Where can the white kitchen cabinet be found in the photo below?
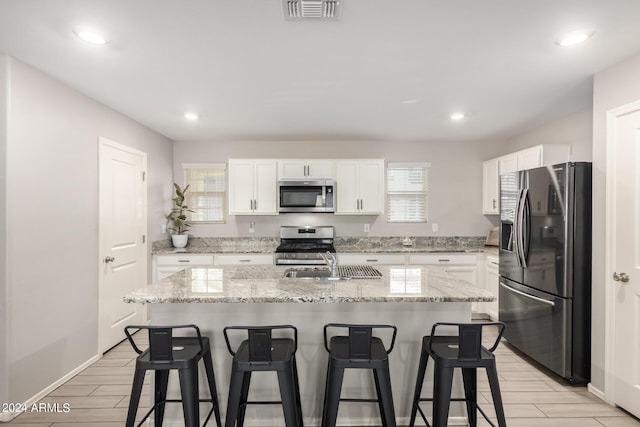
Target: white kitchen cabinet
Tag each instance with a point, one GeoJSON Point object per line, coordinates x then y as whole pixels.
{"type": "Point", "coordinates": [492, 284]}
{"type": "Point", "coordinates": [490, 187]}
{"type": "Point", "coordinates": [461, 265]}
{"type": "Point", "coordinates": [243, 259]}
{"type": "Point", "coordinates": [360, 187]}
{"type": "Point", "coordinates": [166, 265]}
{"type": "Point", "coordinates": [507, 164]}
{"type": "Point", "coordinates": [252, 187]}
{"type": "Point", "coordinates": [305, 169]}
{"type": "Point", "coordinates": [377, 258]}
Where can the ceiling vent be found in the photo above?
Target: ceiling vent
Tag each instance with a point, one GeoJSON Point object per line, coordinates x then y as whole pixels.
{"type": "Point", "coordinates": [310, 10]}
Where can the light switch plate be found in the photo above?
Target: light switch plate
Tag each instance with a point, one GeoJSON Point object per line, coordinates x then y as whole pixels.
{"type": "Point", "coordinates": [366, 228]}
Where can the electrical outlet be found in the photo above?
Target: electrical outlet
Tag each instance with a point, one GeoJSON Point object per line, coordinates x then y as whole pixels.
{"type": "Point", "coordinates": [434, 227]}
{"type": "Point", "coordinates": [366, 228]}
{"type": "Point", "coordinates": [252, 227]}
{"type": "Point", "coordinates": [164, 228]}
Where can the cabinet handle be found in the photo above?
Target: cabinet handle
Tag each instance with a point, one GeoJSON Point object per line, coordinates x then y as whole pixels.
{"type": "Point", "coordinates": [494, 203]}
{"type": "Point", "coordinates": [184, 260]}
{"type": "Point", "coordinates": [244, 260]}
{"type": "Point", "coordinates": [372, 260]}
{"type": "Point", "coordinates": [444, 260]}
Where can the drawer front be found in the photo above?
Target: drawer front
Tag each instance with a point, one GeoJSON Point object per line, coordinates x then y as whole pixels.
{"type": "Point", "coordinates": [443, 259]}
{"type": "Point", "coordinates": [240, 259]}
{"type": "Point", "coordinates": [355, 259]}
{"type": "Point", "coordinates": [184, 260]}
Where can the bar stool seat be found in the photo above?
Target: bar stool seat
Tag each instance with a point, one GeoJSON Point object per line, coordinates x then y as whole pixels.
{"type": "Point", "coordinates": [359, 350]}
{"type": "Point", "coordinates": [465, 351]}
{"type": "Point", "coordinates": [262, 352]}
{"type": "Point", "coordinates": [165, 353]}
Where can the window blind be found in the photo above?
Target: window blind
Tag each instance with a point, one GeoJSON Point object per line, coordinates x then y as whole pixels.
{"type": "Point", "coordinates": [206, 195]}
{"type": "Point", "coordinates": [407, 192]}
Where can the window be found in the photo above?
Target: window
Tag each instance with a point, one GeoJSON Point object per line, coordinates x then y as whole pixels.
{"type": "Point", "coordinates": [407, 192]}
{"type": "Point", "coordinates": [206, 195]}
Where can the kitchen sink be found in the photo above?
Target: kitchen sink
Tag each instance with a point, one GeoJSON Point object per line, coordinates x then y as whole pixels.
{"type": "Point", "coordinates": [311, 273]}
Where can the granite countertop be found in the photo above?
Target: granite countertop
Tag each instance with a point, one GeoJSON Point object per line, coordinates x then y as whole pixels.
{"type": "Point", "coordinates": [268, 245]}
{"type": "Point", "coordinates": [266, 284]}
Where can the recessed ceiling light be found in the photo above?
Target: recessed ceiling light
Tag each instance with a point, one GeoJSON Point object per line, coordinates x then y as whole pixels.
{"type": "Point", "coordinates": [90, 37]}
{"type": "Point", "coordinates": [574, 38]}
{"type": "Point", "coordinates": [191, 116]}
{"type": "Point", "coordinates": [457, 116]}
{"type": "Point", "coordinates": [409, 101]}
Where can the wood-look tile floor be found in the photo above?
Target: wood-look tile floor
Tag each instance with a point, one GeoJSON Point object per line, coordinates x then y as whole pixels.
{"type": "Point", "coordinates": [532, 397]}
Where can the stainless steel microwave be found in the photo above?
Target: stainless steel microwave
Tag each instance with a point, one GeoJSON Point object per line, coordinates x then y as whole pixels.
{"type": "Point", "coordinates": [306, 196]}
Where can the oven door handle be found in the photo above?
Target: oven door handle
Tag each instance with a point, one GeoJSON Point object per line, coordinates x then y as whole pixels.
{"type": "Point", "coordinates": [542, 300]}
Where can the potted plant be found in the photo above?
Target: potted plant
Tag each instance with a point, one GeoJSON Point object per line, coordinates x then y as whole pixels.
{"type": "Point", "coordinates": [177, 218]}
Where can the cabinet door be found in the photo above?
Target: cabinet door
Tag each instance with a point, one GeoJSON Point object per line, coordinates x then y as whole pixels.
{"type": "Point", "coordinates": [265, 187]}
{"type": "Point", "coordinates": [243, 259]}
{"type": "Point", "coordinates": [490, 187]}
{"type": "Point", "coordinates": [241, 179]}
{"type": "Point", "coordinates": [507, 164]}
{"type": "Point", "coordinates": [371, 185]}
{"type": "Point", "coordinates": [492, 284]}
{"type": "Point", "coordinates": [320, 169]}
{"type": "Point", "coordinates": [530, 158]}
{"type": "Point", "coordinates": [292, 169]}
{"type": "Point", "coordinates": [347, 187]}
{"type": "Point", "coordinates": [355, 259]}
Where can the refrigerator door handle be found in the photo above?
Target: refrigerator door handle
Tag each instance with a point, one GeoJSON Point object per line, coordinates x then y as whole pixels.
{"type": "Point", "coordinates": [544, 301]}
{"type": "Point", "coordinates": [519, 227]}
{"type": "Point", "coordinates": [526, 227]}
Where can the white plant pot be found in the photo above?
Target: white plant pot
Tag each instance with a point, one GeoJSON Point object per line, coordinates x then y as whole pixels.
{"type": "Point", "coordinates": [179, 240]}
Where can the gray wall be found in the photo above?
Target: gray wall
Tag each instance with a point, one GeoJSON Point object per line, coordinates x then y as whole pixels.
{"type": "Point", "coordinates": [617, 86]}
{"type": "Point", "coordinates": [575, 130]}
{"type": "Point", "coordinates": [455, 184]}
{"type": "Point", "coordinates": [4, 312]}
{"type": "Point", "coordinates": [52, 223]}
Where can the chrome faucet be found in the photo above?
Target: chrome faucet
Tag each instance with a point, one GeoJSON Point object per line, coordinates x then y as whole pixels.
{"type": "Point", "coordinates": [331, 261]}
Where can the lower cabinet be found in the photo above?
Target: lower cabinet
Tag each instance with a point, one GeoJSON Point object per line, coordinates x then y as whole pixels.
{"type": "Point", "coordinates": [166, 265]}
{"type": "Point", "coordinates": [463, 266]}
{"type": "Point", "coordinates": [243, 259]}
{"type": "Point", "coordinates": [372, 258]}
{"type": "Point", "coordinates": [492, 284]}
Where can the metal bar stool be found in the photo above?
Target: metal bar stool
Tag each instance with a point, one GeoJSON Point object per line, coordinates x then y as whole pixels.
{"type": "Point", "coordinates": [464, 351]}
{"type": "Point", "coordinates": [167, 352]}
{"type": "Point", "coordinates": [261, 352]}
{"type": "Point", "coordinates": [359, 350]}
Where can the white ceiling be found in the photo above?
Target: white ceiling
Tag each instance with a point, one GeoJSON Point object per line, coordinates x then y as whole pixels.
{"type": "Point", "coordinates": [251, 74]}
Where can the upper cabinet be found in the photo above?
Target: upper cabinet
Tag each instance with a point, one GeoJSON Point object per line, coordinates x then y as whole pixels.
{"type": "Point", "coordinates": [252, 187]}
{"type": "Point", "coordinates": [305, 169]}
{"type": "Point", "coordinates": [360, 187]}
{"type": "Point", "coordinates": [529, 158]}
{"type": "Point", "coordinates": [490, 188]}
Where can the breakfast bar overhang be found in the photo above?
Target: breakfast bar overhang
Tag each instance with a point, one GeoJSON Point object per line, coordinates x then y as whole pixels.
{"type": "Point", "coordinates": [410, 297]}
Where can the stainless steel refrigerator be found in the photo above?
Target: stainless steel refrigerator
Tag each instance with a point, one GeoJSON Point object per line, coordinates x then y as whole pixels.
{"type": "Point", "coordinates": [545, 266]}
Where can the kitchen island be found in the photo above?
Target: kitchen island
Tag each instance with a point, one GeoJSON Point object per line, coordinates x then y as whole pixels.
{"type": "Point", "coordinates": [410, 297]}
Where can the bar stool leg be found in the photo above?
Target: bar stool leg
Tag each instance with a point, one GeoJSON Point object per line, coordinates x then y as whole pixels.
{"type": "Point", "coordinates": [211, 379]}
{"type": "Point", "coordinates": [469, 378]}
{"type": "Point", "coordinates": [134, 400]}
{"type": "Point", "coordinates": [378, 395]}
{"type": "Point", "coordinates": [332, 396]}
{"type": "Point", "coordinates": [160, 395]}
{"type": "Point", "coordinates": [386, 397]}
{"type": "Point", "coordinates": [297, 391]}
{"type": "Point", "coordinates": [422, 368]}
{"type": "Point", "coordinates": [235, 393]}
{"type": "Point", "coordinates": [190, 402]}
{"type": "Point", "coordinates": [443, 379]}
{"type": "Point", "coordinates": [244, 395]}
{"type": "Point", "coordinates": [492, 375]}
{"type": "Point", "coordinates": [287, 394]}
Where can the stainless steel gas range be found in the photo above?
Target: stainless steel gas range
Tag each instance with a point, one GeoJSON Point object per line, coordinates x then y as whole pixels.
{"type": "Point", "coordinates": [301, 245]}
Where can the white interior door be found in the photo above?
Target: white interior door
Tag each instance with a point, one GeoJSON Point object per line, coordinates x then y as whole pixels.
{"type": "Point", "coordinates": [623, 266]}
{"type": "Point", "coordinates": [123, 253]}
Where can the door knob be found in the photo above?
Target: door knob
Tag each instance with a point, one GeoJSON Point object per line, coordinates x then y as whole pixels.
{"type": "Point", "coordinates": [622, 277]}
{"type": "Point", "coordinates": [109, 259]}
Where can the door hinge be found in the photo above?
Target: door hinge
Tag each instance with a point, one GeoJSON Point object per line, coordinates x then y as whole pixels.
{"type": "Point", "coordinates": [144, 238]}
{"type": "Point", "coordinates": [144, 175]}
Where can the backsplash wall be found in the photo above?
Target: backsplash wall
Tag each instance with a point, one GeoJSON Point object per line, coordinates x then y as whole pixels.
{"type": "Point", "coordinates": [454, 182]}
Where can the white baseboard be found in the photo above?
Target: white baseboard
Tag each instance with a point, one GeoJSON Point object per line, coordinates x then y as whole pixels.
{"type": "Point", "coordinates": [8, 416]}
{"type": "Point", "coordinates": [596, 392]}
